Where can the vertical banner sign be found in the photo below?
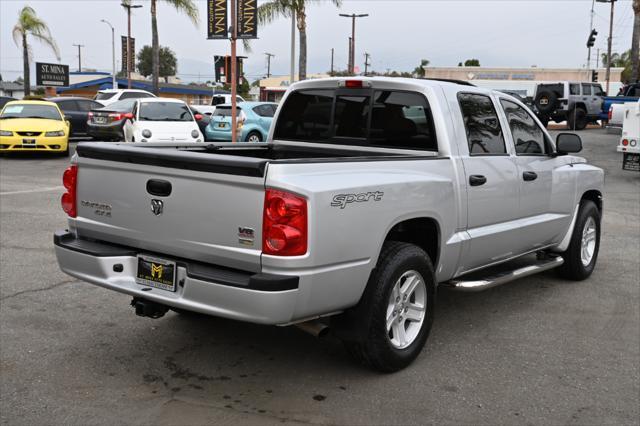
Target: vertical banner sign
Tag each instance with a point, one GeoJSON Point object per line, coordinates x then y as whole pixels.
{"type": "Point", "coordinates": [132, 49]}
{"type": "Point", "coordinates": [124, 53]}
{"type": "Point", "coordinates": [247, 19]}
{"type": "Point", "coordinates": [217, 19]}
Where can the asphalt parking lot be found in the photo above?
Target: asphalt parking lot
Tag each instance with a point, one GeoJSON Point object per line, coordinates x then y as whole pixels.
{"type": "Point", "coordinates": [537, 351]}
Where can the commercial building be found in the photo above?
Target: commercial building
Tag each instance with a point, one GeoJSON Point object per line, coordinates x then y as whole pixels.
{"type": "Point", "coordinates": [87, 84]}
{"type": "Point", "coordinates": [11, 89]}
{"type": "Point", "coordinates": [523, 80]}
{"type": "Point", "coordinates": [272, 89]}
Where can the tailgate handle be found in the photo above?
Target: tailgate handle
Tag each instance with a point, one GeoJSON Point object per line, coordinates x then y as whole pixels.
{"type": "Point", "coordinates": [159, 188]}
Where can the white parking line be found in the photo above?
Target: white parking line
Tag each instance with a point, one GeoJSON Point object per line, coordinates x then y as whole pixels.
{"type": "Point", "coordinates": [29, 191]}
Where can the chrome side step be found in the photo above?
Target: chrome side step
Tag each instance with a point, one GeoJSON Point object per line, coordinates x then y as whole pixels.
{"type": "Point", "coordinates": [472, 283]}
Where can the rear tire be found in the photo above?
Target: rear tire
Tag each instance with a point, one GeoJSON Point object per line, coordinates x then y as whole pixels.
{"type": "Point", "coordinates": [254, 137]}
{"type": "Point", "coordinates": [582, 254]}
{"type": "Point", "coordinates": [577, 119]}
{"type": "Point", "coordinates": [396, 312]}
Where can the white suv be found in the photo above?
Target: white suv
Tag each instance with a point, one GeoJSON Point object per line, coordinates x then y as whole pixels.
{"type": "Point", "coordinates": [109, 96]}
{"type": "Point", "coordinates": [578, 103]}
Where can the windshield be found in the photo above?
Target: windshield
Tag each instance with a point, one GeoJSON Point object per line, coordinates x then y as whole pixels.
{"type": "Point", "coordinates": [102, 96]}
{"type": "Point", "coordinates": [225, 111]}
{"type": "Point", "coordinates": [164, 111]}
{"type": "Point", "coordinates": [31, 111]}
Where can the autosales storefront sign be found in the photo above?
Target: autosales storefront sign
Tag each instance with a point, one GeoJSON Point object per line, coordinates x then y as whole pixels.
{"type": "Point", "coordinates": [217, 19]}
{"type": "Point", "coordinates": [53, 75]}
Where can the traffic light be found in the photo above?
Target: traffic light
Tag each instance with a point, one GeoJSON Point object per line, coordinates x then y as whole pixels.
{"type": "Point", "coordinates": [592, 38]}
{"type": "Point", "coordinates": [594, 76]}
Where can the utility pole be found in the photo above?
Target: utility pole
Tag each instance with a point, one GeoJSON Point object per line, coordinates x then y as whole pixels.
{"type": "Point", "coordinates": [366, 63]}
{"type": "Point", "coordinates": [79, 46]}
{"type": "Point", "coordinates": [292, 79]}
{"type": "Point", "coordinates": [349, 63]}
{"type": "Point", "coordinates": [127, 5]}
{"type": "Point", "coordinates": [352, 43]}
{"type": "Point", "coordinates": [593, 12]}
{"type": "Point", "coordinates": [114, 83]}
{"type": "Point", "coordinates": [234, 77]}
{"type": "Point", "coordinates": [598, 59]}
{"type": "Point", "coordinates": [609, 41]}
{"type": "Point", "coordinates": [332, 71]}
{"type": "Point", "coordinates": [269, 56]}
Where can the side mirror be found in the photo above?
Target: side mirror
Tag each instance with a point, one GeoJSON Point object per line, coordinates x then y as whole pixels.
{"type": "Point", "coordinates": [568, 143]}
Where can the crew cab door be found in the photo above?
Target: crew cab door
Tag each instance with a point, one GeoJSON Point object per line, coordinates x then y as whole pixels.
{"type": "Point", "coordinates": [492, 185]}
{"type": "Point", "coordinates": [547, 185]}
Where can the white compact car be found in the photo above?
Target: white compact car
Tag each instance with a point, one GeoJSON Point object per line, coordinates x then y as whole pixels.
{"type": "Point", "coordinates": [109, 96]}
{"type": "Point", "coordinates": [162, 120]}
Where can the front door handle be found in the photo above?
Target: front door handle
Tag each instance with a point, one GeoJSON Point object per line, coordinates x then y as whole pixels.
{"type": "Point", "coordinates": [529, 176]}
{"type": "Point", "coordinates": [477, 180]}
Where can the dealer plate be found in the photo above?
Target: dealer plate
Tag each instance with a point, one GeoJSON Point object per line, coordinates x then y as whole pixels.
{"type": "Point", "coordinates": [28, 142]}
{"type": "Point", "coordinates": [631, 162]}
{"type": "Point", "coordinates": [156, 272]}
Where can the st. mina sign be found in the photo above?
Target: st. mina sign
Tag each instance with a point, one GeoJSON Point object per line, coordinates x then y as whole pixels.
{"type": "Point", "coordinates": [55, 75]}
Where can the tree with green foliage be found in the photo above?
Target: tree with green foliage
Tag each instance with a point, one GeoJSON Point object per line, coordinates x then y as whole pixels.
{"type": "Point", "coordinates": [419, 71]}
{"type": "Point", "coordinates": [271, 10]}
{"type": "Point", "coordinates": [622, 60]}
{"type": "Point", "coordinates": [168, 62]}
{"type": "Point", "coordinates": [29, 24]}
{"type": "Point", "coordinates": [189, 8]}
{"type": "Point", "coordinates": [472, 63]}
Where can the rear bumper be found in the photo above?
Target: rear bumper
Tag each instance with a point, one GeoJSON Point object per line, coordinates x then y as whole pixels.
{"type": "Point", "coordinates": [108, 131]}
{"type": "Point", "coordinates": [245, 296]}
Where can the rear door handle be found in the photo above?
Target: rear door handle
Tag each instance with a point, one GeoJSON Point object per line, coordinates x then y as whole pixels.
{"type": "Point", "coordinates": [528, 176]}
{"type": "Point", "coordinates": [477, 180]}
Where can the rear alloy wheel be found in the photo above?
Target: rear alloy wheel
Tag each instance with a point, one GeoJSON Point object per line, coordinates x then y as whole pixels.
{"type": "Point", "coordinates": [395, 313]}
{"type": "Point", "coordinates": [254, 137]}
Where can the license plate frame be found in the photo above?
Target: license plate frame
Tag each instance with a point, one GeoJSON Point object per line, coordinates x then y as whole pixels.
{"type": "Point", "coordinates": [222, 125]}
{"type": "Point", "coordinates": [100, 120]}
{"type": "Point", "coordinates": [29, 143]}
{"type": "Point", "coordinates": [156, 272]}
{"type": "Point", "coordinates": [631, 162]}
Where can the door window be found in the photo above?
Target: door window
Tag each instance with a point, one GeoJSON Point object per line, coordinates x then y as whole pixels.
{"type": "Point", "coordinates": [574, 89]}
{"type": "Point", "coordinates": [586, 89]}
{"type": "Point", "coordinates": [528, 137]}
{"type": "Point", "coordinates": [597, 90]}
{"type": "Point", "coordinates": [263, 110]}
{"type": "Point", "coordinates": [484, 134]}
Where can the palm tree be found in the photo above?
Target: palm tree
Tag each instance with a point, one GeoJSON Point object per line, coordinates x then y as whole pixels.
{"type": "Point", "coordinates": [271, 10]}
{"type": "Point", "coordinates": [187, 7]}
{"type": "Point", "coordinates": [635, 43]}
{"type": "Point", "coordinates": [30, 24]}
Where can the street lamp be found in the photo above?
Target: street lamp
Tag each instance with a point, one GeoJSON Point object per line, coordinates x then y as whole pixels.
{"type": "Point", "coordinates": [114, 84]}
{"type": "Point", "coordinates": [127, 5]}
{"type": "Point", "coordinates": [609, 41]}
{"type": "Point", "coordinates": [352, 57]}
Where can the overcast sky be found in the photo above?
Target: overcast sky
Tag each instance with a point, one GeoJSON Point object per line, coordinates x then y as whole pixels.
{"type": "Point", "coordinates": [397, 34]}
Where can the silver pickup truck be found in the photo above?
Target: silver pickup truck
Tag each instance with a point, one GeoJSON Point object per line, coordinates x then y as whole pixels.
{"type": "Point", "coordinates": [369, 194]}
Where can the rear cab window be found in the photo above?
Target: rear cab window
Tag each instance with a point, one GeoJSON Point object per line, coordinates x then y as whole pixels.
{"type": "Point", "coordinates": [363, 117]}
{"type": "Point", "coordinates": [484, 133]}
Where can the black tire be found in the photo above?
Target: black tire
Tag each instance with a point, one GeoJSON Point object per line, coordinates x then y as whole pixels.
{"type": "Point", "coordinates": [254, 134]}
{"type": "Point", "coordinates": [546, 101]}
{"type": "Point", "coordinates": [577, 119]}
{"type": "Point", "coordinates": [573, 267]}
{"type": "Point", "coordinates": [373, 346]}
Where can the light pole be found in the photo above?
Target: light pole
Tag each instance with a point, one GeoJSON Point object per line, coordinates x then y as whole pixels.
{"type": "Point", "coordinates": [127, 5]}
{"type": "Point", "coordinates": [79, 46]}
{"type": "Point", "coordinates": [269, 56]}
{"type": "Point", "coordinates": [609, 41]}
{"type": "Point", "coordinates": [352, 58]}
{"type": "Point", "coordinates": [114, 83]}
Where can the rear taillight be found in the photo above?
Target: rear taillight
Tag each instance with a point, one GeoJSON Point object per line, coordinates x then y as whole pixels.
{"type": "Point", "coordinates": [610, 113]}
{"type": "Point", "coordinates": [284, 224]}
{"type": "Point", "coordinates": [117, 116]}
{"type": "Point", "coordinates": [625, 142]}
{"type": "Point", "coordinates": [70, 182]}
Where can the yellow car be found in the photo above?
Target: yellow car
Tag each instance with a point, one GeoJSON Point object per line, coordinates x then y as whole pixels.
{"type": "Point", "coordinates": [33, 126]}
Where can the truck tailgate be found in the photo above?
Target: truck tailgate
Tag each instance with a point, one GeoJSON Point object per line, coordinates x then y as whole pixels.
{"type": "Point", "coordinates": [213, 212]}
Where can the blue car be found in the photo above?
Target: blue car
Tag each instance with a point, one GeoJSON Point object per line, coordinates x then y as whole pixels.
{"type": "Point", "coordinates": [254, 121]}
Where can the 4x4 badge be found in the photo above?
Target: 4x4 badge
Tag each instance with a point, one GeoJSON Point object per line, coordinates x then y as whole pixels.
{"type": "Point", "coordinates": [157, 206]}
